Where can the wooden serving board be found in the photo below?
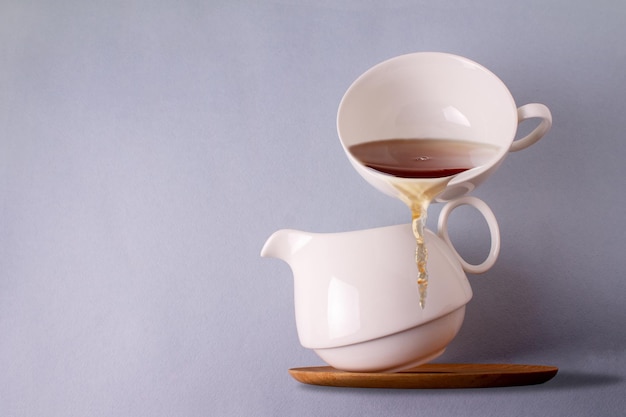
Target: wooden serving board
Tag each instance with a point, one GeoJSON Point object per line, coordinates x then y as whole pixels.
{"type": "Point", "coordinates": [434, 375]}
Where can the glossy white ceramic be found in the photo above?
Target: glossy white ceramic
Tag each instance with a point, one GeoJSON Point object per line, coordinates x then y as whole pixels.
{"type": "Point", "coordinates": [437, 96]}
{"type": "Point", "coordinates": [356, 296]}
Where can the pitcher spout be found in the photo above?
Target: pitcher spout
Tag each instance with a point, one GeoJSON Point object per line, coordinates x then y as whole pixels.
{"type": "Point", "coordinates": [285, 243]}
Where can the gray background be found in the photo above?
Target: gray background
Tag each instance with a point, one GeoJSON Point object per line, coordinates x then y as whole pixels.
{"type": "Point", "coordinates": [148, 149]}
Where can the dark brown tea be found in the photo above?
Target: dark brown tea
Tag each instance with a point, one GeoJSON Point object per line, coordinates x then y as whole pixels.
{"type": "Point", "coordinates": [422, 158]}
{"type": "Point", "coordinates": [420, 169]}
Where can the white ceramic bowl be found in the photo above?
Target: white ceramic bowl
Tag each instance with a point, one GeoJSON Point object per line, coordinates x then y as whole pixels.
{"type": "Point", "coordinates": [397, 351]}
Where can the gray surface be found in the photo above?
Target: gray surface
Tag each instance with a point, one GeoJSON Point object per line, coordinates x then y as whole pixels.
{"type": "Point", "coordinates": [148, 149]}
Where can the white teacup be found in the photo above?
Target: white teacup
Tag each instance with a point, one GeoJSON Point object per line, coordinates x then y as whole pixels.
{"type": "Point", "coordinates": [436, 96]}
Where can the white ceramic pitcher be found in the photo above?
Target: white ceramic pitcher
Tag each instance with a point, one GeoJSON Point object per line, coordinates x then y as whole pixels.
{"type": "Point", "coordinates": [356, 296]}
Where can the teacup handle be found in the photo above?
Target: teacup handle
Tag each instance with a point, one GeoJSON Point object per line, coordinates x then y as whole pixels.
{"type": "Point", "coordinates": [494, 230]}
{"type": "Point", "coordinates": [531, 111]}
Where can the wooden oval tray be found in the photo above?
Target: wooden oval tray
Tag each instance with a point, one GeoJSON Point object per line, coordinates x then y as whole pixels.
{"type": "Point", "coordinates": [434, 375]}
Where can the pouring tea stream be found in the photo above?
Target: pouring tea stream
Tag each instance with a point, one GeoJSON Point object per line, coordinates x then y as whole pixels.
{"type": "Point", "coordinates": [420, 169]}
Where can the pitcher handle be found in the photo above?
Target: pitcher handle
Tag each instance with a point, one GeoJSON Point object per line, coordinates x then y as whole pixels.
{"type": "Point", "coordinates": [494, 230]}
{"type": "Point", "coordinates": [531, 111]}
